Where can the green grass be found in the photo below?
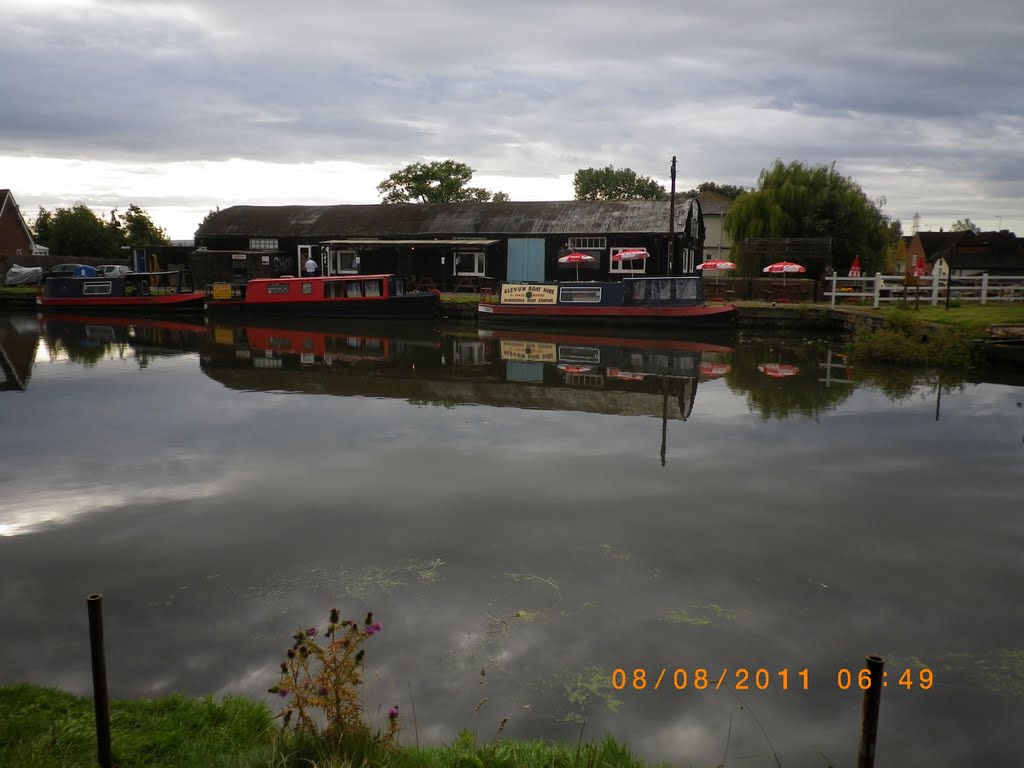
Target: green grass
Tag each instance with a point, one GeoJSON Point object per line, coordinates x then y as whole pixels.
{"type": "Point", "coordinates": [46, 728]}
{"type": "Point", "coordinates": [972, 318]}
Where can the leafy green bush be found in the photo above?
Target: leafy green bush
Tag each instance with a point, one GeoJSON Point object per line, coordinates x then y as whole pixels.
{"type": "Point", "coordinates": [906, 341]}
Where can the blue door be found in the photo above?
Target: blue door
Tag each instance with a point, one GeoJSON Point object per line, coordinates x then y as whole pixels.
{"type": "Point", "coordinates": [526, 260]}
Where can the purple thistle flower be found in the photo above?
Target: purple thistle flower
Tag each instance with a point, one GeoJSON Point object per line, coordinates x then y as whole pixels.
{"type": "Point", "coordinates": [393, 712]}
{"type": "Point", "coordinates": [284, 667]}
{"type": "Point", "coordinates": [283, 692]}
{"type": "Point", "coordinates": [311, 632]}
{"type": "Point", "coordinates": [323, 690]}
{"type": "Point", "coordinates": [374, 628]}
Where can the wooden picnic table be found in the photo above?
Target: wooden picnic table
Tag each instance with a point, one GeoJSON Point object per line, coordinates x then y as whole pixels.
{"type": "Point", "coordinates": [472, 284]}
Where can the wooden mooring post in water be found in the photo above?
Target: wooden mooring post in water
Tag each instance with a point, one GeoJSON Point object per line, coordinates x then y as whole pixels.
{"type": "Point", "coordinates": [99, 680]}
{"type": "Point", "coordinates": [869, 714]}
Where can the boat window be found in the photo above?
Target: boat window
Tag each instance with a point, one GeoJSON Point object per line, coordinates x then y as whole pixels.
{"type": "Point", "coordinates": [371, 287]}
{"type": "Point", "coordinates": [96, 289]}
{"type": "Point", "coordinates": [353, 289]}
{"type": "Point", "coordinates": [334, 289]}
{"type": "Point", "coordinates": [278, 287]}
{"type": "Point", "coordinates": [569, 354]}
{"type": "Point", "coordinates": [307, 288]}
{"type": "Point", "coordinates": [584, 295]}
{"type": "Point", "coordinates": [662, 289]}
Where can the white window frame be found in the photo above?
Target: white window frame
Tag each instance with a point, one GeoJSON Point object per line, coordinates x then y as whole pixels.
{"type": "Point", "coordinates": [587, 243]}
{"type": "Point", "coordinates": [479, 263]}
{"type": "Point", "coordinates": [342, 262]}
{"type": "Point", "coordinates": [632, 267]}
{"type": "Point", "coordinates": [262, 243]}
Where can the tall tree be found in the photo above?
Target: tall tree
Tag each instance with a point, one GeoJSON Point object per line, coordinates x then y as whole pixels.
{"type": "Point", "coordinates": [730, 191]}
{"type": "Point", "coordinates": [442, 181]}
{"type": "Point", "coordinates": [794, 200]}
{"type": "Point", "coordinates": [139, 229]}
{"type": "Point", "coordinates": [78, 233]}
{"type": "Point", "coordinates": [616, 184]}
{"type": "Point", "coordinates": [42, 226]}
{"type": "Point", "coordinates": [964, 225]}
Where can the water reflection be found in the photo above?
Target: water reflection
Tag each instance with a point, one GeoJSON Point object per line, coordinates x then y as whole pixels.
{"type": "Point", "coordinates": [499, 501]}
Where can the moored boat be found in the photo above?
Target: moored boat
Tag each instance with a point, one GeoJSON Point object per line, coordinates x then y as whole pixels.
{"type": "Point", "coordinates": [133, 292]}
{"type": "Point", "coordinates": [332, 296]}
{"type": "Point", "coordinates": [635, 301]}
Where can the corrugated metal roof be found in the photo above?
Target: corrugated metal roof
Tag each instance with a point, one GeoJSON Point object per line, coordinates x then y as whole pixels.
{"type": "Point", "coordinates": [417, 221]}
{"type": "Point", "coordinates": [383, 241]}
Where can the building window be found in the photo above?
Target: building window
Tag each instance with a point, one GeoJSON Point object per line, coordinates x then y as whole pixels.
{"type": "Point", "coordinates": [262, 243]}
{"type": "Point", "coordinates": [583, 295]}
{"type": "Point", "coordinates": [631, 267]}
{"type": "Point", "coordinates": [342, 262]}
{"type": "Point", "coordinates": [470, 263]}
{"type": "Point", "coordinates": [580, 243]}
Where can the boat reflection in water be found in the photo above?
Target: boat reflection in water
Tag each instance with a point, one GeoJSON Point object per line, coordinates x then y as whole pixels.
{"type": "Point", "coordinates": [85, 338]}
{"type": "Point", "coordinates": [654, 377]}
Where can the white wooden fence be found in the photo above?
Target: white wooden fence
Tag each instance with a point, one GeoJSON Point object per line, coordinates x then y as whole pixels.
{"type": "Point", "coordinates": [928, 289]}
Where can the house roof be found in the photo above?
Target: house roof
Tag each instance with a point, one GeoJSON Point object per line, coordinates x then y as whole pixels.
{"type": "Point", "coordinates": [7, 199]}
{"type": "Point", "coordinates": [413, 221]}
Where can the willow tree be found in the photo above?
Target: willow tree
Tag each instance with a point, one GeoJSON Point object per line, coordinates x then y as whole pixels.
{"type": "Point", "coordinates": [795, 200]}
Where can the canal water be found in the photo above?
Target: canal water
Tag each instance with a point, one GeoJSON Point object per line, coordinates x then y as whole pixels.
{"type": "Point", "coordinates": [689, 543]}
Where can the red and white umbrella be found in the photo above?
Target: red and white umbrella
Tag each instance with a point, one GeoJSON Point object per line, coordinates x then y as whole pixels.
{"type": "Point", "coordinates": [778, 370]}
{"type": "Point", "coordinates": [855, 267]}
{"type": "Point", "coordinates": [618, 373]}
{"type": "Point", "coordinates": [919, 267]}
{"type": "Point", "coordinates": [577, 258]}
{"type": "Point", "coordinates": [631, 254]}
{"type": "Point", "coordinates": [716, 264]}
{"type": "Point", "coordinates": [713, 369]}
{"type": "Point", "coordinates": [784, 268]}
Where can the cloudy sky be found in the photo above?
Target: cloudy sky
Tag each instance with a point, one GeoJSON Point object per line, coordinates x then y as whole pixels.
{"type": "Point", "coordinates": [181, 107]}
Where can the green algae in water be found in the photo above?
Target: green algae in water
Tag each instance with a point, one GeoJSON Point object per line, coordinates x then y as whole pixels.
{"type": "Point", "coordinates": [699, 615]}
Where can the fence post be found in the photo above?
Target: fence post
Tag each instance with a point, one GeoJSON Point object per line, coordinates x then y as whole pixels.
{"type": "Point", "coordinates": [99, 680]}
{"type": "Point", "coordinates": [869, 714]}
{"type": "Point", "coordinates": [935, 290]}
{"type": "Point", "coordinates": [878, 289]}
{"type": "Point", "coordinates": [833, 278]}
{"type": "Point", "coordinates": [984, 287]}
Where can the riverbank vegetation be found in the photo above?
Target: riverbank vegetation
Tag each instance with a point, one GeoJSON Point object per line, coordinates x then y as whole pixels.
{"type": "Point", "coordinates": [47, 728]}
{"type": "Point", "coordinates": [908, 341]}
{"type": "Point", "coordinates": [322, 724]}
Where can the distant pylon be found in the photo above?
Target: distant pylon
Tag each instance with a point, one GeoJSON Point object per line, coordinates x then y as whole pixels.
{"type": "Point", "coordinates": [916, 225]}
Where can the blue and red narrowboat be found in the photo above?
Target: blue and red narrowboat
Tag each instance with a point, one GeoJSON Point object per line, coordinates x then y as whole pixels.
{"type": "Point", "coordinates": [333, 296]}
{"type": "Point", "coordinates": [131, 292]}
{"type": "Point", "coordinates": [634, 301]}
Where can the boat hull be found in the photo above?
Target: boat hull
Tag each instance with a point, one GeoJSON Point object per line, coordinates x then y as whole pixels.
{"type": "Point", "coordinates": [405, 306]}
{"type": "Point", "coordinates": [178, 302]}
{"type": "Point", "coordinates": [656, 316]}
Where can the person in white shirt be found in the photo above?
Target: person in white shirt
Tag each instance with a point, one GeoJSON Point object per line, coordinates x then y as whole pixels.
{"type": "Point", "coordinates": [311, 267]}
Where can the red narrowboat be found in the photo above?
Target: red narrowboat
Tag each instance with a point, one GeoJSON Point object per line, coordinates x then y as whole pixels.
{"type": "Point", "coordinates": [333, 296]}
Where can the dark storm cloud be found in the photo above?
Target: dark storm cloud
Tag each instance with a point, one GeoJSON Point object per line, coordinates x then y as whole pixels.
{"type": "Point", "coordinates": [525, 88]}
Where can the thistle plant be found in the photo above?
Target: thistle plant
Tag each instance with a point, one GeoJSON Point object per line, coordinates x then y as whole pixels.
{"type": "Point", "coordinates": [320, 678]}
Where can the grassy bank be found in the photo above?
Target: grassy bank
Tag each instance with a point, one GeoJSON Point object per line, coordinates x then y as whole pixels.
{"type": "Point", "coordinates": [46, 728]}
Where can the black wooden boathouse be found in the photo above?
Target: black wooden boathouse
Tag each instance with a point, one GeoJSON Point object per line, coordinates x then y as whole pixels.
{"type": "Point", "coordinates": [453, 246]}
